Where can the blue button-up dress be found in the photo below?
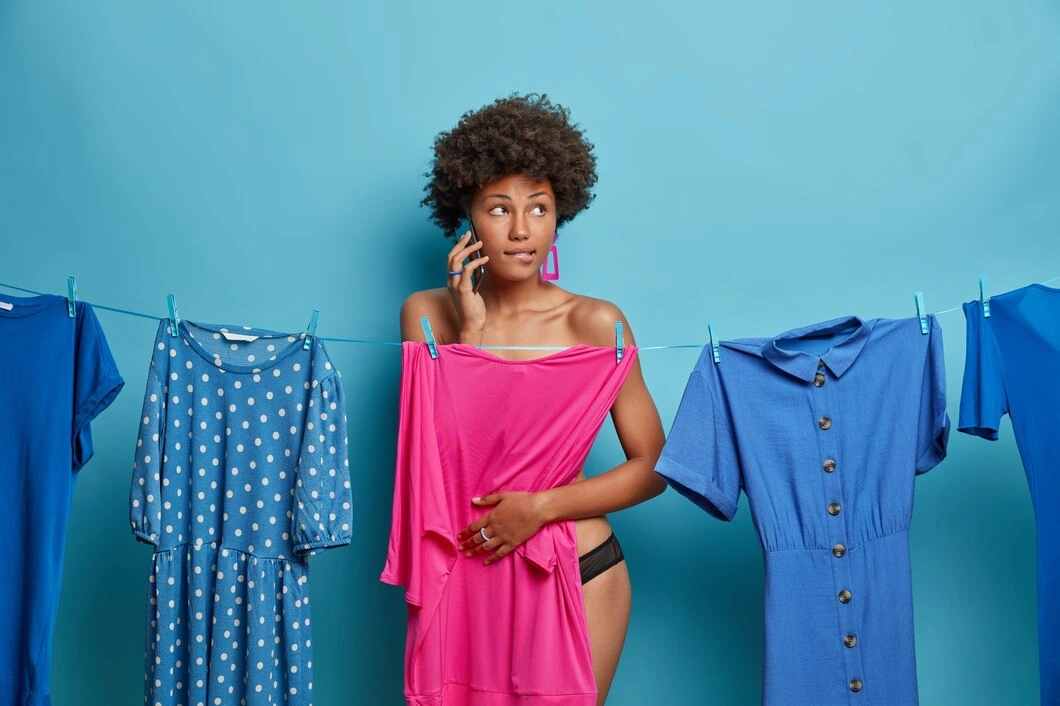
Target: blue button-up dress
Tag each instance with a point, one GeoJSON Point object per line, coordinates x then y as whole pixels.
{"type": "Point", "coordinates": [825, 429]}
{"type": "Point", "coordinates": [1013, 367]}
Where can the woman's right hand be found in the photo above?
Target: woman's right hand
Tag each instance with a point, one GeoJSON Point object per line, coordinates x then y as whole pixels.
{"type": "Point", "coordinates": [470, 308]}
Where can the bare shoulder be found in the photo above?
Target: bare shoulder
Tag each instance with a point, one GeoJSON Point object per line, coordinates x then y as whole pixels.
{"type": "Point", "coordinates": [593, 321]}
{"type": "Point", "coordinates": [436, 305]}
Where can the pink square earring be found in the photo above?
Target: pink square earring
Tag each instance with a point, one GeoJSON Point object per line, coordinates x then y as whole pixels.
{"type": "Point", "coordinates": [553, 255]}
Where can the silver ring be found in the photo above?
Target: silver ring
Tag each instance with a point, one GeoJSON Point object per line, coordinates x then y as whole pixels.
{"type": "Point", "coordinates": [482, 532]}
{"type": "Point", "coordinates": [454, 273]}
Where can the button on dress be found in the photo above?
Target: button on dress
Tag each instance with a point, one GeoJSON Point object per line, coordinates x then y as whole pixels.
{"type": "Point", "coordinates": [241, 474]}
{"type": "Point", "coordinates": [825, 428]}
{"type": "Point", "coordinates": [1012, 367]}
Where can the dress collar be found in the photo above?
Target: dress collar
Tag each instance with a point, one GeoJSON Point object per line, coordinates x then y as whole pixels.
{"type": "Point", "coordinates": [803, 365]}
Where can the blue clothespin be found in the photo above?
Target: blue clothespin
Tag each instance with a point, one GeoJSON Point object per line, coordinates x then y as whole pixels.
{"type": "Point", "coordinates": [174, 317]}
{"type": "Point", "coordinates": [71, 296]}
{"type": "Point", "coordinates": [984, 296]}
{"type": "Point", "coordinates": [715, 342]}
{"type": "Point", "coordinates": [428, 334]}
{"type": "Point", "coordinates": [921, 314]}
{"type": "Point", "coordinates": [619, 342]}
{"type": "Point", "coordinates": [311, 330]}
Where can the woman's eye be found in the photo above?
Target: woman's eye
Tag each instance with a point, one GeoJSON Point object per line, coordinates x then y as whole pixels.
{"type": "Point", "coordinates": [497, 211]}
{"type": "Point", "coordinates": [538, 210]}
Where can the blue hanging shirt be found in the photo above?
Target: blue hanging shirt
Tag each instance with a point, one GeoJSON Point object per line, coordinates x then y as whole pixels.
{"type": "Point", "coordinates": [240, 475]}
{"type": "Point", "coordinates": [1012, 366]}
{"type": "Point", "coordinates": [825, 429]}
{"type": "Point", "coordinates": [56, 375]}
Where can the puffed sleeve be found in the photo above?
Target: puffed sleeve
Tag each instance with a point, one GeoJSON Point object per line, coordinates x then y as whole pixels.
{"type": "Point", "coordinates": [145, 496]}
{"type": "Point", "coordinates": [323, 499]}
{"type": "Point", "coordinates": [96, 381]}
{"type": "Point", "coordinates": [934, 429]}
{"type": "Point", "coordinates": [699, 458]}
{"type": "Point", "coordinates": [984, 399]}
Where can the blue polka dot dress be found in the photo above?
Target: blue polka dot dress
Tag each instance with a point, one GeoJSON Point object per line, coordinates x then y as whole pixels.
{"type": "Point", "coordinates": [241, 474]}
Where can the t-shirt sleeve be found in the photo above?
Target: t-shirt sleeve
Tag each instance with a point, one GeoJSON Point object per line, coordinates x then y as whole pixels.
{"type": "Point", "coordinates": [404, 529]}
{"type": "Point", "coordinates": [934, 427]}
{"type": "Point", "coordinates": [699, 458]}
{"type": "Point", "coordinates": [984, 399]}
{"type": "Point", "coordinates": [421, 549]}
{"type": "Point", "coordinates": [96, 382]}
{"type": "Point", "coordinates": [145, 495]}
{"type": "Point", "coordinates": [323, 497]}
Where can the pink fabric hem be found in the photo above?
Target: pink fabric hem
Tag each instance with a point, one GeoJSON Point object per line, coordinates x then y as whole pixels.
{"type": "Point", "coordinates": [463, 695]}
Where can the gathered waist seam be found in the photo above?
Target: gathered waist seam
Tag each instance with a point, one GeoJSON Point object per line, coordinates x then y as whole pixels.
{"type": "Point", "coordinates": [829, 549]}
{"type": "Point", "coordinates": [220, 547]}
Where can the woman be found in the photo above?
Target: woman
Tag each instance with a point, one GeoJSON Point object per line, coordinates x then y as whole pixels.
{"type": "Point", "coordinates": [518, 168]}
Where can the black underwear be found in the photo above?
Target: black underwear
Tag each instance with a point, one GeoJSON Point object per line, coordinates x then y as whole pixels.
{"type": "Point", "coordinates": [599, 560]}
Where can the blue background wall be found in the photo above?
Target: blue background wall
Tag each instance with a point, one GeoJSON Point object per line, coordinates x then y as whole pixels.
{"type": "Point", "coordinates": [766, 165]}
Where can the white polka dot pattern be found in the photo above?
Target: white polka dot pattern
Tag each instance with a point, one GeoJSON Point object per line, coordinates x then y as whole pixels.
{"type": "Point", "coordinates": [241, 473]}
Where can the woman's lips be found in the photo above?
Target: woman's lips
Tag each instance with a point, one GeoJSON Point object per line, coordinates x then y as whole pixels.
{"type": "Point", "coordinates": [524, 256]}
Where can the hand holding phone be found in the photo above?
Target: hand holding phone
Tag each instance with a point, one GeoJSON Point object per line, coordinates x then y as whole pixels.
{"type": "Point", "coordinates": [464, 264]}
{"type": "Point", "coordinates": [479, 273]}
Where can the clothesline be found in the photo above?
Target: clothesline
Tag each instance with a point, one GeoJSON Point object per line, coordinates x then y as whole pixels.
{"type": "Point", "coordinates": [374, 342]}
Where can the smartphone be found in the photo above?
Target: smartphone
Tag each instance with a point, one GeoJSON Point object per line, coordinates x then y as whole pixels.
{"type": "Point", "coordinates": [479, 273]}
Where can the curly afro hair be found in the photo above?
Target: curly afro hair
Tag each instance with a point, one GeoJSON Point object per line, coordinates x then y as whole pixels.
{"type": "Point", "coordinates": [526, 135]}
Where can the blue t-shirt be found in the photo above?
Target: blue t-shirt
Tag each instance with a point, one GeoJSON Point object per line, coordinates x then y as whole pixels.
{"type": "Point", "coordinates": [825, 429]}
{"type": "Point", "coordinates": [56, 375]}
{"type": "Point", "coordinates": [241, 474]}
{"type": "Point", "coordinates": [1012, 367]}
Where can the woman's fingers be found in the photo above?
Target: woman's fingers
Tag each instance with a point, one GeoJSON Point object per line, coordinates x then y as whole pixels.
{"type": "Point", "coordinates": [465, 283]}
{"type": "Point", "coordinates": [475, 541]}
{"type": "Point", "coordinates": [461, 241]}
{"type": "Point", "coordinates": [502, 552]}
{"type": "Point", "coordinates": [475, 544]}
{"type": "Point", "coordinates": [485, 547]}
{"type": "Point", "coordinates": [472, 534]}
{"type": "Point", "coordinates": [459, 264]}
{"type": "Point", "coordinates": [460, 253]}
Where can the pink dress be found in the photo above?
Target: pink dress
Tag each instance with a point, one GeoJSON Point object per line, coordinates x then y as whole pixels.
{"type": "Point", "coordinates": [513, 633]}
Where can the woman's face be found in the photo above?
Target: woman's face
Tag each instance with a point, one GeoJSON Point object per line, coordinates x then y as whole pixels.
{"type": "Point", "coordinates": [515, 218]}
